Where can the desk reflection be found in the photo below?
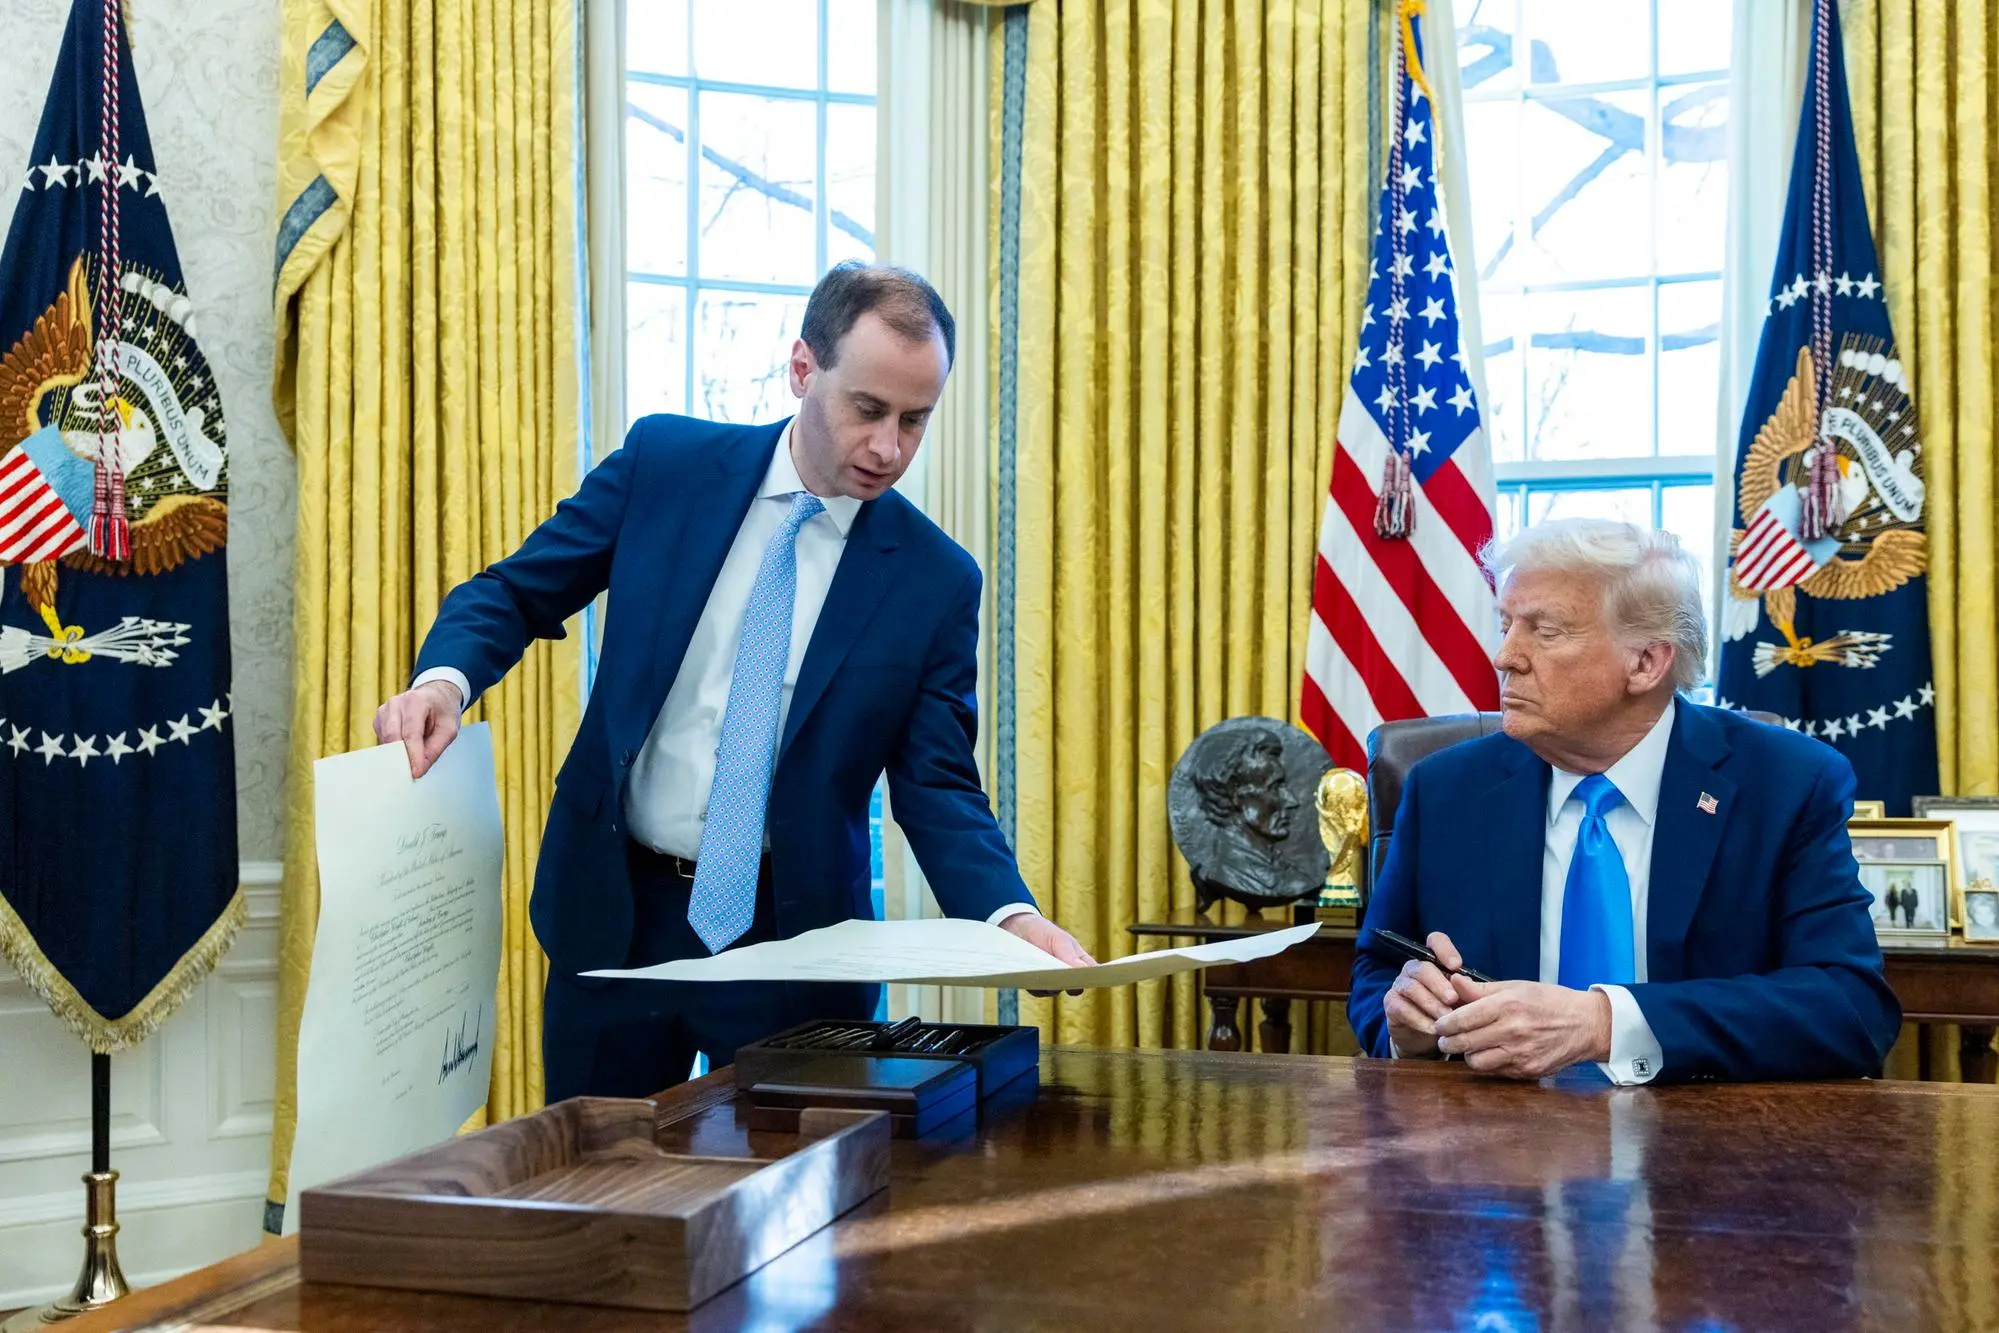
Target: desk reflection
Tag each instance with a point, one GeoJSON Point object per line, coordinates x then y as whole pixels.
{"type": "Point", "coordinates": [1554, 1221]}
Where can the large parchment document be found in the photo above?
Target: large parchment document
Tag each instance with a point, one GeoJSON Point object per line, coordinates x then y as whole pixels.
{"type": "Point", "coordinates": [396, 1043]}
{"type": "Point", "coordinates": [948, 953]}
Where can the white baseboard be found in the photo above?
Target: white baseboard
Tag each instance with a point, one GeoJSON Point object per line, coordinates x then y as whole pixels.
{"type": "Point", "coordinates": [165, 1229]}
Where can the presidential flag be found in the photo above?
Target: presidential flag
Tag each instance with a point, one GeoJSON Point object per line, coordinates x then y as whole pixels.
{"type": "Point", "coordinates": [118, 881]}
{"type": "Point", "coordinates": [1401, 611]}
{"type": "Point", "coordinates": [1825, 621]}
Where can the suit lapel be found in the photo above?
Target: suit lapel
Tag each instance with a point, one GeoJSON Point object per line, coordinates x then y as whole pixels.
{"type": "Point", "coordinates": [1684, 837]}
{"type": "Point", "coordinates": [694, 544]}
{"type": "Point", "coordinates": [859, 583]}
{"type": "Point", "coordinates": [1516, 812]}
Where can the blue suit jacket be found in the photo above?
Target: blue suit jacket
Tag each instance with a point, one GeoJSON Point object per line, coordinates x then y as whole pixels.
{"type": "Point", "coordinates": [887, 684]}
{"type": "Point", "coordinates": [1761, 957]}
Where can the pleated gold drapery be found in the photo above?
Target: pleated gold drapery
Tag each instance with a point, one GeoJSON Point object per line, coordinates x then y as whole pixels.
{"type": "Point", "coordinates": [428, 371]}
{"type": "Point", "coordinates": [1926, 121]}
{"type": "Point", "coordinates": [1176, 282]}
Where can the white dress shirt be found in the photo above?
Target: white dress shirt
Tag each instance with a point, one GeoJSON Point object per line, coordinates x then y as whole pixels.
{"type": "Point", "coordinates": [1634, 1052]}
{"type": "Point", "coordinates": [666, 800]}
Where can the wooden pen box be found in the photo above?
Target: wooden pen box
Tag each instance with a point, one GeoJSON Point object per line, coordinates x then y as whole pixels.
{"type": "Point", "coordinates": [998, 1055]}
{"type": "Point", "coordinates": [577, 1203]}
{"type": "Point", "coordinates": [919, 1096]}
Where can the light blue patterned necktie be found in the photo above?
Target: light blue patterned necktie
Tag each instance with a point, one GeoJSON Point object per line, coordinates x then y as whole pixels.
{"type": "Point", "coordinates": [723, 902]}
{"type": "Point", "coordinates": [1596, 901]}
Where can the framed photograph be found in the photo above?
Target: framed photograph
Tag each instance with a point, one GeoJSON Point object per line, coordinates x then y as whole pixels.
{"type": "Point", "coordinates": [1975, 820]}
{"type": "Point", "coordinates": [1870, 809]}
{"type": "Point", "coordinates": [1911, 900]}
{"type": "Point", "coordinates": [1902, 840]}
{"type": "Point", "coordinates": [1981, 916]}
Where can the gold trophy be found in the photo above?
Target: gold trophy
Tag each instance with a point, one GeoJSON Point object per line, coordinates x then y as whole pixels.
{"type": "Point", "coordinates": [1342, 805]}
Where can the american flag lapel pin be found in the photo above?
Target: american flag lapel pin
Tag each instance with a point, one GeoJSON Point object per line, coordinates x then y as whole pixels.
{"type": "Point", "coordinates": [1707, 803]}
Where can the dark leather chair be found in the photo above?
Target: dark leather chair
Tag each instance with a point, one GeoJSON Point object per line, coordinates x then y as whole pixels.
{"type": "Point", "coordinates": [1393, 748]}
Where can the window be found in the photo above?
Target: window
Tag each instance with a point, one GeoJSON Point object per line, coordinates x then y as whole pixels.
{"type": "Point", "coordinates": [1596, 143]}
{"type": "Point", "coordinates": [750, 169]}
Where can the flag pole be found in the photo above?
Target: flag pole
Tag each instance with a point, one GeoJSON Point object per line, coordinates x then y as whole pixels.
{"type": "Point", "coordinates": [101, 1281]}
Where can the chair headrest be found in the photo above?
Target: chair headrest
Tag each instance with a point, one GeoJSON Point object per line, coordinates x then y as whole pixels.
{"type": "Point", "coordinates": [1395, 747]}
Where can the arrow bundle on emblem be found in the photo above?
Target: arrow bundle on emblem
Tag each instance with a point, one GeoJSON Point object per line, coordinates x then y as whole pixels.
{"type": "Point", "coordinates": [134, 639]}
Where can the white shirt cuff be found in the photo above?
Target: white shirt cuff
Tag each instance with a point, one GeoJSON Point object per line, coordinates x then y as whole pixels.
{"type": "Point", "coordinates": [1635, 1056]}
{"type": "Point", "coordinates": [455, 677]}
{"type": "Point", "coordinates": [1012, 910]}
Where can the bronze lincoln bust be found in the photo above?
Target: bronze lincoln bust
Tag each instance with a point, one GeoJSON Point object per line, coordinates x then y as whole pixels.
{"type": "Point", "coordinates": [1233, 804]}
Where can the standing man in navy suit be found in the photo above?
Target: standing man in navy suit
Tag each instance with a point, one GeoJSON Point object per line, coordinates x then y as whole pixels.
{"type": "Point", "coordinates": [782, 629]}
{"type": "Point", "coordinates": [1664, 889]}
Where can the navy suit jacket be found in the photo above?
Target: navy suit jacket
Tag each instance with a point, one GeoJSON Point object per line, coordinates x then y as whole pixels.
{"type": "Point", "coordinates": [1761, 957]}
{"type": "Point", "coordinates": [887, 684]}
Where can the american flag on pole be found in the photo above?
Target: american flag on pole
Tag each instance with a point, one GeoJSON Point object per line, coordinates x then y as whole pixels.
{"type": "Point", "coordinates": [1402, 614]}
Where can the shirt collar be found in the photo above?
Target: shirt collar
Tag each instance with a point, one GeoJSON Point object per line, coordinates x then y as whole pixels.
{"type": "Point", "coordinates": [1638, 774]}
{"type": "Point", "coordinates": [781, 482]}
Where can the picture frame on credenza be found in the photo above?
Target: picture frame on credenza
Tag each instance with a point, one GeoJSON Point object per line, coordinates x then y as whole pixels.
{"type": "Point", "coordinates": [1910, 866]}
{"type": "Point", "coordinates": [1974, 824]}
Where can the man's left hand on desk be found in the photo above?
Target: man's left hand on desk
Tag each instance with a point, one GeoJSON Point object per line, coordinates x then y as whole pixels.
{"type": "Point", "coordinates": [1525, 1029]}
{"type": "Point", "coordinates": [1050, 938]}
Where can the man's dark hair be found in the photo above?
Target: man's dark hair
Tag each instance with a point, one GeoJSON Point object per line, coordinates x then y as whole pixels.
{"type": "Point", "coordinates": [901, 299]}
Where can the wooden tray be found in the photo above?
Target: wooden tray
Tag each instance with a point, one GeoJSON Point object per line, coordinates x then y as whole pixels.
{"type": "Point", "coordinates": [577, 1203]}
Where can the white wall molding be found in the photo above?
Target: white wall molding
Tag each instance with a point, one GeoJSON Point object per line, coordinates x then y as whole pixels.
{"type": "Point", "coordinates": [65, 1206]}
{"type": "Point", "coordinates": [191, 1122]}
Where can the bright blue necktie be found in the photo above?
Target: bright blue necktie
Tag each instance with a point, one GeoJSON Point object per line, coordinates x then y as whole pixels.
{"type": "Point", "coordinates": [1596, 901]}
{"type": "Point", "coordinates": [723, 902]}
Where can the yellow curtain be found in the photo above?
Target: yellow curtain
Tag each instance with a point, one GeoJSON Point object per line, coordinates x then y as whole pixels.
{"type": "Point", "coordinates": [1182, 209]}
{"type": "Point", "coordinates": [1921, 77]}
{"type": "Point", "coordinates": [428, 336]}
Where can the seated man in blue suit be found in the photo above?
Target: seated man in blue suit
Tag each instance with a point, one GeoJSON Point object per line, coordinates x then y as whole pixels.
{"type": "Point", "coordinates": [1664, 889]}
{"type": "Point", "coordinates": [782, 629]}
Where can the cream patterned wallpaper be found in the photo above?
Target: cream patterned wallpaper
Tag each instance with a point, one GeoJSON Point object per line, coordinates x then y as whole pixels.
{"type": "Point", "coordinates": [207, 74]}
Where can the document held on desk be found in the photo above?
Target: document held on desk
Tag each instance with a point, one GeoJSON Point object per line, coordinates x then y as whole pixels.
{"type": "Point", "coordinates": [395, 1046]}
{"type": "Point", "coordinates": [948, 953]}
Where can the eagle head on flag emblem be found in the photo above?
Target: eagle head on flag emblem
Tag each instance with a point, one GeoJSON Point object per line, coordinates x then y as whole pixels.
{"type": "Point", "coordinates": [1868, 434]}
{"type": "Point", "coordinates": [59, 431]}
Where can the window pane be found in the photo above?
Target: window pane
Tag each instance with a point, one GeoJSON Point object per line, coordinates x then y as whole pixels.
{"type": "Point", "coordinates": [1689, 366]}
{"type": "Point", "coordinates": [655, 349]}
{"type": "Point", "coordinates": [850, 46]}
{"type": "Point", "coordinates": [850, 182]}
{"type": "Point", "coordinates": [1492, 161]}
{"type": "Point", "coordinates": [742, 342]}
{"type": "Point", "coordinates": [1694, 35]}
{"type": "Point", "coordinates": [1628, 505]}
{"type": "Point", "coordinates": [1588, 186]}
{"type": "Point", "coordinates": [1589, 382]}
{"type": "Point", "coordinates": [655, 179]}
{"type": "Point", "coordinates": [1693, 177]}
{"type": "Point", "coordinates": [1485, 45]}
{"type": "Point", "coordinates": [1688, 513]}
{"type": "Point", "coordinates": [656, 36]}
{"type": "Point", "coordinates": [1506, 521]}
{"type": "Point", "coordinates": [1590, 41]}
{"type": "Point", "coordinates": [757, 188]}
{"type": "Point", "coordinates": [1499, 317]}
{"type": "Point", "coordinates": [769, 42]}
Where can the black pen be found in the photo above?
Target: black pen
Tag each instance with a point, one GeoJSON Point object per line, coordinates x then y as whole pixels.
{"type": "Point", "coordinates": [1408, 948]}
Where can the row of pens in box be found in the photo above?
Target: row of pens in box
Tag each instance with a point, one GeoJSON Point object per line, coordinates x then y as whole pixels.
{"type": "Point", "coordinates": [909, 1035]}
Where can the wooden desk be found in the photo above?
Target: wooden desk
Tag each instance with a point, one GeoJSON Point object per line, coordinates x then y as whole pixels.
{"type": "Point", "coordinates": [1958, 985]}
{"type": "Point", "coordinates": [1195, 1191]}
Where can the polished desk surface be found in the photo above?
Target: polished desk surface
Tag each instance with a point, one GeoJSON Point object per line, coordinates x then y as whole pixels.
{"type": "Point", "coordinates": [1197, 1191]}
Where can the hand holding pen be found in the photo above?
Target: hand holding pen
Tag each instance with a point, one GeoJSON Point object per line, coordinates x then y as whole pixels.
{"type": "Point", "coordinates": [1424, 990]}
